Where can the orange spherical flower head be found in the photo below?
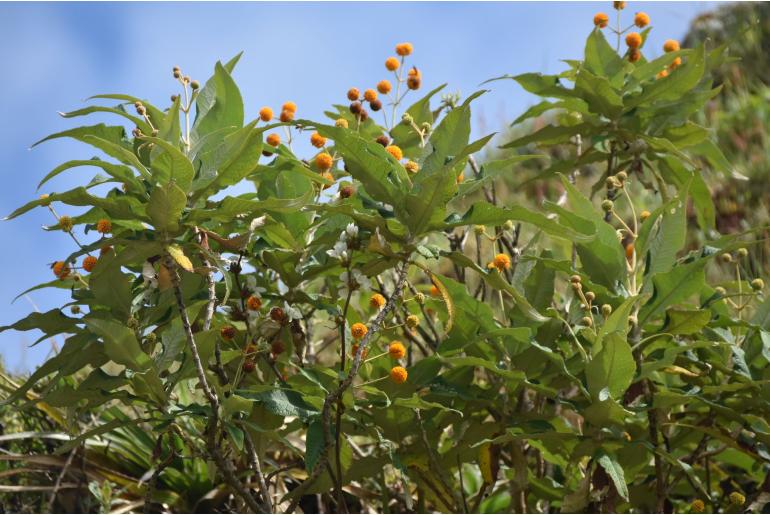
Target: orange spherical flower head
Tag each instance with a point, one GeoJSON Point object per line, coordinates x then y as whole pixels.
{"type": "Point", "coordinates": [377, 301]}
{"type": "Point", "coordinates": [404, 49]}
{"type": "Point", "coordinates": [286, 116]}
{"type": "Point", "coordinates": [273, 139]}
{"type": "Point", "coordinates": [254, 302]}
{"type": "Point", "coordinates": [384, 87]}
{"type": "Point", "coordinates": [634, 55]}
{"type": "Point", "coordinates": [641, 20]}
{"type": "Point", "coordinates": [370, 95]}
{"type": "Point", "coordinates": [89, 262]}
{"type": "Point", "coordinates": [412, 166]}
{"type": "Point", "coordinates": [358, 330]}
{"type": "Point", "coordinates": [395, 151]}
{"type": "Point", "coordinates": [104, 226]}
{"type": "Point", "coordinates": [324, 161]}
{"type": "Point", "coordinates": [675, 63]}
{"type": "Point", "coordinates": [354, 351]}
{"type": "Point", "coordinates": [414, 79]}
{"type": "Point", "coordinates": [227, 332]}
{"type": "Point", "coordinates": [644, 215]}
{"type": "Point", "coordinates": [396, 350]}
{"type": "Point", "coordinates": [61, 269]}
{"type": "Point", "coordinates": [601, 20]}
{"type": "Point", "coordinates": [435, 291]}
{"type": "Point", "coordinates": [633, 40]}
{"type": "Point", "coordinates": [392, 63]}
{"type": "Point", "coordinates": [398, 375]}
{"type": "Point", "coordinates": [353, 94]}
{"type": "Point", "coordinates": [329, 177]}
{"type": "Point", "coordinates": [265, 114]}
{"type": "Point", "coordinates": [502, 262]}
{"type": "Point", "coordinates": [289, 106]}
{"type": "Point", "coordinates": [671, 45]}
{"type": "Point", "coordinates": [662, 74]}
{"type": "Point", "coordinates": [66, 223]}
{"type": "Point", "coordinates": [317, 140]}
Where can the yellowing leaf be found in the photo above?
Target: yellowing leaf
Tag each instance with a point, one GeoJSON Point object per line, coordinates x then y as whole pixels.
{"type": "Point", "coordinates": [178, 254]}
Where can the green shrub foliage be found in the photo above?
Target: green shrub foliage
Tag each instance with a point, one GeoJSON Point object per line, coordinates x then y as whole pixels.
{"type": "Point", "coordinates": [373, 327]}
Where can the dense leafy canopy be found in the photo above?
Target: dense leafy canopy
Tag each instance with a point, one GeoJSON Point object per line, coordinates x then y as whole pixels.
{"type": "Point", "coordinates": [378, 325]}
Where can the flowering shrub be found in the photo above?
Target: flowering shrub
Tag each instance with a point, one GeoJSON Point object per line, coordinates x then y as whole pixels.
{"type": "Point", "coordinates": [371, 327]}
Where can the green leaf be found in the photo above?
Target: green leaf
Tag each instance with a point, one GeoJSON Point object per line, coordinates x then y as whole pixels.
{"type": "Point", "coordinates": [167, 202]}
{"type": "Point", "coordinates": [686, 321]}
{"type": "Point", "coordinates": [484, 213]}
{"type": "Point", "coordinates": [604, 259]}
{"type": "Point", "coordinates": [611, 371]}
{"type": "Point", "coordinates": [542, 85]}
{"type": "Point", "coordinates": [112, 133]}
{"type": "Point", "coordinates": [669, 288]}
{"type": "Point", "coordinates": [600, 58]}
{"type": "Point", "coordinates": [551, 135]}
{"type": "Point", "coordinates": [599, 94]}
{"type": "Point", "coordinates": [676, 85]}
{"type": "Point", "coordinates": [231, 161]}
{"type": "Point", "coordinates": [610, 464]}
{"type": "Point", "coordinates": [282, 402]}
{"type": "Point", "coordinates": [111, 287]}
{"type": "Point", "coordinates": [169, 164]}
{"type": "Point", "coordinates": [120, 344]}
{"type": "Point", "coordinates": [118, 172]}
{"type": "Point", "coordinates": [367, 161]}
{"type": "Point", "coordinates": [219, 103]}
{"type": "Point", "coordinates": [135, 120]}
{"type": "Point", "coordinates": [51, 322]}
{"type": "Point", "coordinates": [416, 402]}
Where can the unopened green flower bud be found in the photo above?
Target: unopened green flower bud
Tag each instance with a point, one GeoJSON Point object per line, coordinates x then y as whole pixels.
{"type": "Point", "coordinates": [606, 310]}
{"type": "Point", "coordinates": [726, 258]}
{"type": "Point", "coordinates": [407, 119]}
{"type": "Point", "coordinates": [75, 310]}
{"type": "Point", "coordinates": [151, 338]}
{"type": "Point", "coordinates": [590, 296]}
{"type": "Point", "coordinates": [479, 229]}
{"type": "Point", "coordinates": [419, 297]}
{"type": "Point", "coordinates": [720, 291]}
{"type": "Point", "coordinates": [586, 321]}
{"type": "Point", "coordinates": [633, 320]}
{"type": "Point", "coordinates": [508, 225]}
{"type": "Point", "coordinates": [195, 84]}
{"type": "Point", "coordinates": [757, 284]}
{"type": "Point", "coordinates": [742, 252]}
{"type": "Point", "coordinates": [621, 176]}
{"type": "Point", "coordinates": [426, 127]}
{"type": "Point", "coordinates": [132, 323]}
{"type": "Point", "coordinates": [607, 205]}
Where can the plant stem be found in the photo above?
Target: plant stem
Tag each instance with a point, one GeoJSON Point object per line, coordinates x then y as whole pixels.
{"type": "Point", "coordinates": [333, 397]}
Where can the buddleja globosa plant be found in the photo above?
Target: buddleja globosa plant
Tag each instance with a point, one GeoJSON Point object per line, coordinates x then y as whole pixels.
{"type": "Point", "coordinates": [373, 328]}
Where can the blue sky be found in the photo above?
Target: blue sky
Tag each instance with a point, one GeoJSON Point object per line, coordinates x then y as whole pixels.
{"type": "Point", "coordinates": [54, 55]}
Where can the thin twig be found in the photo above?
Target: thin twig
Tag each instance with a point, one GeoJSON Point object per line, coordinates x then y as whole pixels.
{"type": "Point", "coordinates": [334, 396]}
